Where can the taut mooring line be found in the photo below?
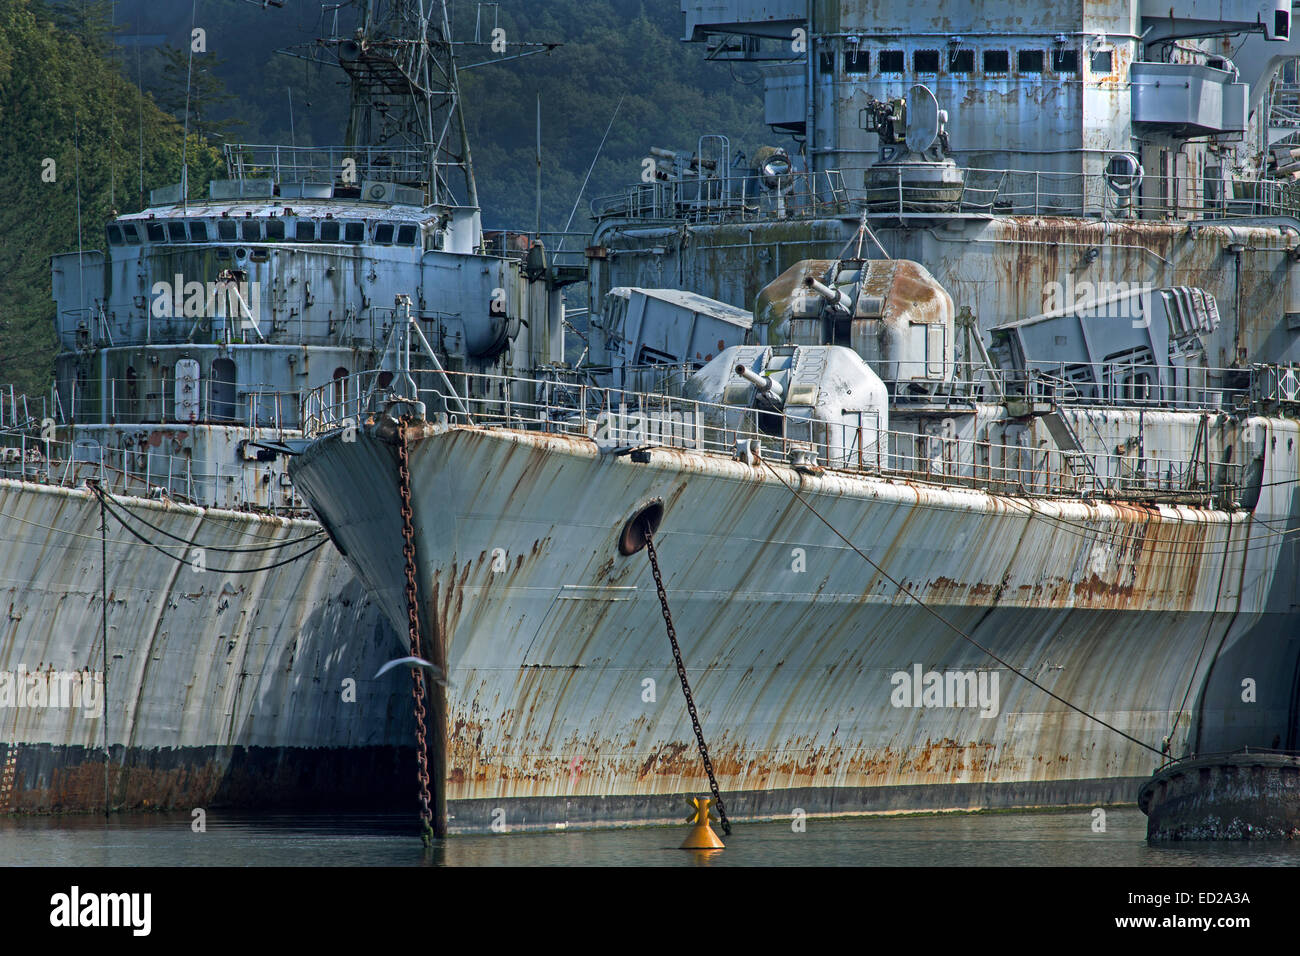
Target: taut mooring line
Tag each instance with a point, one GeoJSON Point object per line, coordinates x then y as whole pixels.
{"type": "Point", "coordinates": [951, 626]}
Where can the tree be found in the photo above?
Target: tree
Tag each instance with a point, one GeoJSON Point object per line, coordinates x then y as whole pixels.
{"type": "Point", "coordinates": [78, 139]}
{"type": "Point", "coordinates": [192, 81]}
{"type": "Point", "coordinates": [90, 20]}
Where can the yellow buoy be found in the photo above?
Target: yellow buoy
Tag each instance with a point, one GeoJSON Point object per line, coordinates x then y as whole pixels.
{"type": "Point", "coordinates": [701, 836]}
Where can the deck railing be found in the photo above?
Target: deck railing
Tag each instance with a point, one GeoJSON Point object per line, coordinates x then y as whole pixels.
{"type": "Point", "coordinates": [141, 470]}
{"type": "Point", "coordinates": [891, 192]}
{"type": "Point", "coordinates": [621, 421]}
{"type": "Point", "coordinates": [324, 164]}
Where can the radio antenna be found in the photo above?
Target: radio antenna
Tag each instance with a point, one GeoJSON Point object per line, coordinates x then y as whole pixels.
{"type": "Point", "coordinates": [185, 143]}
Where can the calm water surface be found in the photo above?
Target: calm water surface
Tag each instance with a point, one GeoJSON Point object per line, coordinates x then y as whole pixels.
{"type": "Point", "coordinates": [1057, 838]}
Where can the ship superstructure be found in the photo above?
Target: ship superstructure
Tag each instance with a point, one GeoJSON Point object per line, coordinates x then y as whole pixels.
{"type": "Point", "coordinates": [1106, 146]}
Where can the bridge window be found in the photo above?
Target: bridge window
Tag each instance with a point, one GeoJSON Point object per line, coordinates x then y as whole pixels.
{"type": "Point", "coordinates": [997, 61]}
{"type": "Point", "coordinates": [1029, 61]}
{"type": "Point", "coordinates": [329, 231]}
{"type": "Point", "coordinates": [176, 231]}
{"type": "Point", "coordinates": [354, 232]}
{"type": "Point", "coordinates": [114, 235]}
{"type": "Point", "coordinates": [926, 61]}
{"type": "Point", "coordinates": [131, 234]}
{"type": "Point", "coordinates": [406, 235]}
{"type": "Point", "coordinates": [891, 61]}
{"type": "Point", "coordinates": [826, 61]}
{"type": "Point", "coordinates": [275, 229]}
{"type": "Point", "coordinates": [251, 229]}
{"type": "Point", "coordinates": [1103, 61]}
{"type": "Point", "coordinates": [199, 231]}
{"type": "Point", "coordinates": [384, 233]}
{"type": "Point", "coordinates": [305, 230]}
{"type": "Point", "coordinates": [155, 231]}
{"type": "Point", "coordinates": [226, 230]}
{"type": "Point", "coordinates": [857, 61]}
{"type": "Point", "coordinates": [1065, 61]}
{"type": "Point", "coordinates": [961, 61]}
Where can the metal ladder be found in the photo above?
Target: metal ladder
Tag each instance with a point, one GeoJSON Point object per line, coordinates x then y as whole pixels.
{"type": "Point", "coordinates": [7, 776]}
{"type": "Point", "coordinates": [1067, 439]}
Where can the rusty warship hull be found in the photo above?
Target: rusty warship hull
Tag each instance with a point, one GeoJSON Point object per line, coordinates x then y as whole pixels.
{"type": "Point", "coordinates": [222, 690]}
{"type": "Point", "coordinates": [811, 671]}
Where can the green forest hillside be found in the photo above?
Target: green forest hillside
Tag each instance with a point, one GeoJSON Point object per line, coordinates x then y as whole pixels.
{"type": "Point", "coordinates": [613, 49]}
{"type": "Point", "coordinates": [73, 120]}
{"type": "Point", "coordinates": [69, 123]}
{"type": "Point", "coordinates": [610, 51]}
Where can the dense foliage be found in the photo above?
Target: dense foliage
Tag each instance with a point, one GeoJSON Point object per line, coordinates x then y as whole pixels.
{"type": "Point", "coordinates": [76, 139]}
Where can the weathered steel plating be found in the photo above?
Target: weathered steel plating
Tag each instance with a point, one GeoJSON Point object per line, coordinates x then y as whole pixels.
{"type": "Point", "coordinates": [548, 656]}
{"type": "Point", "coordinates": [225, 690]}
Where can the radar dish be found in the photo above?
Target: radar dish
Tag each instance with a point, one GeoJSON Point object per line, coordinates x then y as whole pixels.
{"type": "Point", "coordinates": [922, 118]}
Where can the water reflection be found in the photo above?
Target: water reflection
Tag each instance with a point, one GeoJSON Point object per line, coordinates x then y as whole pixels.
{"type": "Point", "coordinates": [1057, 838]}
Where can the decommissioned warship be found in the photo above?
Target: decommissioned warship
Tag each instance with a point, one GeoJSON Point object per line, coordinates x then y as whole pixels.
{"type": "Point", "coordinates": [973, 483]}
{"type": "Point", "coordinates": [178, 631]}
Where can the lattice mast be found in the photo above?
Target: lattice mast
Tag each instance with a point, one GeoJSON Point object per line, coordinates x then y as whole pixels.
{"type": "Point", "coordinates": [406, 93]}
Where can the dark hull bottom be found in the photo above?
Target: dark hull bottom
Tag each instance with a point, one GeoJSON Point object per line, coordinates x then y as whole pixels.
{"type": "Point", "coordinates": [1239, 796]}
{"type": "Point", "coordinates": [50, 779]}
{"type": "Point", "coordinates": [46, 778]}
{"type": "Point", "coordinates": [547, 813]}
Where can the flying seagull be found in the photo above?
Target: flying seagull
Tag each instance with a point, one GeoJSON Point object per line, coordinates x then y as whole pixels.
{"type": "Point", "coordinates": [435, 672]}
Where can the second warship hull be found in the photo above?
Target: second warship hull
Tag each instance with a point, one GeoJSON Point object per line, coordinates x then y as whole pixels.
{"type": "Point", "coordinates": [821, 688]}
{"type": "Point", "coordinates": [222, 689]}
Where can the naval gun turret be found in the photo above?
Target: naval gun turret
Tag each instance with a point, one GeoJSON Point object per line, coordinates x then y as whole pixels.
{"type": "Point", "coordinates": [766, 389]}
{"type": "Point", "coordinates": [892, 312]}
{"type": "Point", "coordinates": [824, 396]}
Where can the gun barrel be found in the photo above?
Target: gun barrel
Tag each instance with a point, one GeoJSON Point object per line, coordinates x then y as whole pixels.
{"type": "Point", "coordinates": [766, 386]}
{"type": "Point", "coordinates": [834, 297]}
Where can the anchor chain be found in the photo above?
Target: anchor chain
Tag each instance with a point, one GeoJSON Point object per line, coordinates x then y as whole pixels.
{"type": "Point", "coordinates": [686, 687]}
{"type": "Point", "coordinates": [413, 628]}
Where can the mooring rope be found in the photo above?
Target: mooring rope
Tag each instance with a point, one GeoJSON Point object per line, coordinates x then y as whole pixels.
{"type": "Point", "coordinates": [214, 547]}
{"type": "Point", "coordinates": [180, 559]}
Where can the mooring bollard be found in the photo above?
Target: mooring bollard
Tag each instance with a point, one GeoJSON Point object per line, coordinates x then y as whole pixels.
{"type": "Point", "coordinates": [701, 836]}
